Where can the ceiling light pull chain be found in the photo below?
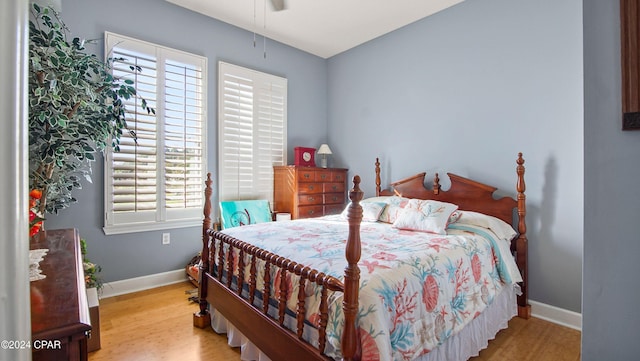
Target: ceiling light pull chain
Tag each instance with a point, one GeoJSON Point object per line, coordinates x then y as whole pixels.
{"type": "Point", "coordinates": [264, 34]}
{"type": "Point", "coordinates": [254, 23]}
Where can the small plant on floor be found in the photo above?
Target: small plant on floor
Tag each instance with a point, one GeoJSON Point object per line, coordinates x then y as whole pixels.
{"type": "Point", "coordinates": [92, 271]}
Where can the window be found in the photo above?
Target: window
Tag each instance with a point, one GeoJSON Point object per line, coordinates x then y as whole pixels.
{"type": "Point", "coordinates": [155, 180]}
{"type": "Point", "coordinates": [252, 121]}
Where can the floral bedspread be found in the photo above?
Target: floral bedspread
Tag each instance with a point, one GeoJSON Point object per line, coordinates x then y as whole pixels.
{"type": "Point", "coordinates": [417, 289]}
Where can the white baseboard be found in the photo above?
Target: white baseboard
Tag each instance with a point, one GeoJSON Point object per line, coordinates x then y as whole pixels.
{"type": "Point", "coordinates": [130, 285]}
{"type": "Point", "coordinates": [557, 315]}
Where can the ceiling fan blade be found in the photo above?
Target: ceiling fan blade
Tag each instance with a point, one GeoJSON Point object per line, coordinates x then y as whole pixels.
{"type": "Point", "coordinates": [278, 5]}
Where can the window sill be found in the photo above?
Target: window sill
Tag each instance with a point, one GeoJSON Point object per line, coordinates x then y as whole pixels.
{"type": "Point", "coordinates": [145, 227]}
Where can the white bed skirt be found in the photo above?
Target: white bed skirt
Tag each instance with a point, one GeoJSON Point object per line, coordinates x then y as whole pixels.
{"type": "Point", "coordinates": [235, 338]}
{"type": "Point", "coordinates": [461, 346]}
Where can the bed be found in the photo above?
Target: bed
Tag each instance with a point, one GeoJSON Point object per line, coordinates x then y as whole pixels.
{"type": "Point", "coordinates": [344, 286]}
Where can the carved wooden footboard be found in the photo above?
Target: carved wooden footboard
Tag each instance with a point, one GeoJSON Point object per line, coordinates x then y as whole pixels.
{"type": "Point", "coordinates": [236, 298]}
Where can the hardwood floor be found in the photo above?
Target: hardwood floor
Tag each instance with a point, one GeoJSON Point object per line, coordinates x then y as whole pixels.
{"type": "Point", "coordinates": [533, 340]}
{"type": "Point", "coordinates": [157, 325]}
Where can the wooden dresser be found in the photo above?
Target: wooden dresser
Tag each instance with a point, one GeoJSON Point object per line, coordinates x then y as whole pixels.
{"type": "Point", "coordinates": [309, 192]}
{"type": "Point", "coordinates": [60, 320]}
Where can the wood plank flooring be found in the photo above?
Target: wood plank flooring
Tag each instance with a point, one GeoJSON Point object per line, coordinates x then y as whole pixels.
{"type": "Point", "coordinates": [157, 325]}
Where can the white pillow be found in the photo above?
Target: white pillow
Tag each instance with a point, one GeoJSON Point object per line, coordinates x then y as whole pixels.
{"type": "Point", "coordinates": [370, 211]}
{"type": "Point", "coordinates": [425, 216]}
{"type": "Point", "coordinates": [501, 228]}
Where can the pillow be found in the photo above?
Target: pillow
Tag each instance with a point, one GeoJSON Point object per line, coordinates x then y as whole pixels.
{"type": "Point", "coordinates": [394, 206]}
{"type": "Point", "coordinates": [501, 228]}
{"type": "Point", "coordinates": [240, 213]}
{"type": "Point", "coordinates": [425, 216]}
{"type": "Point", "coordinates": [370, 211]}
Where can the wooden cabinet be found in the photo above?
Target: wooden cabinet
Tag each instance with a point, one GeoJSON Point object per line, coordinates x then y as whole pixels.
{"type": "Point", "coordinates": [60, 320]}
{"type": "Point", "coordinates": [309, 192]}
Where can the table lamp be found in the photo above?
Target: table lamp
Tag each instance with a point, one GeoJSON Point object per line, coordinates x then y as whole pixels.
{"type": "Point", "coordinates": [324, 150]}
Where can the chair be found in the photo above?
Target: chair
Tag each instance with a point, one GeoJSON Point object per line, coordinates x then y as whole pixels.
{"type": "Point", "coordinates": [241, 213]}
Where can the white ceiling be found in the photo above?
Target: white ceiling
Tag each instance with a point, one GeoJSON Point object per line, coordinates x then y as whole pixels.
{"type": "Point", "coordinates": [321, 27]}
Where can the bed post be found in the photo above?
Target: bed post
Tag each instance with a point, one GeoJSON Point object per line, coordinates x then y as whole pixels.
{"type": "Point", "coordinates": [378, 180]}
{"type": "Point", "coordinates": [524, 309]}
{"type": "Point", "coordinates": [202, 319]}
{"type": "Point", "coordinates": [349, 342]}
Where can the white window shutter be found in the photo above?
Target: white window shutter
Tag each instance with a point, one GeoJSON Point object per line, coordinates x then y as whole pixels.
{"type": "Point", "coordinates": [155, 180]}
{"type": "Point", "coordinates": [133, 169]}
{"type": "Point", "coordinates": [270, 138]}
{"type": "Point", "coordinates": [183, 136]}
{"type": "Point", "coordinates": [252, 131]}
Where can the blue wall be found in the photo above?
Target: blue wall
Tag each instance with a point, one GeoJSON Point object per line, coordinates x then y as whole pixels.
{"type": "Point", "coordinates": [464, 91]}
{"type": "Point", "coordinates": [139, 254]}
{"type": "Point", "coordinates": [461, 91]}
{"type": "Point", "coordinates": [611, 321]}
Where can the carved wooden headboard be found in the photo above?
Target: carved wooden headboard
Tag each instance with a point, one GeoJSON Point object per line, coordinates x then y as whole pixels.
{"type": "Point", "coordinates": [468, 194]}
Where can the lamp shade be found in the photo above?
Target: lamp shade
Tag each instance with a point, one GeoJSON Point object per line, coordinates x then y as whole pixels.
{"type": "Point", "coordinates": [324, 149]}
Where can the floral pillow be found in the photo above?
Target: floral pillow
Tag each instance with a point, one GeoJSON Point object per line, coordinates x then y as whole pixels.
{"type": "Point", "coordinates": [394, 205]}
{"type": "Point", "coordinates": [370, 211]}
{"type": "Point", "coordinates": [425, 216]}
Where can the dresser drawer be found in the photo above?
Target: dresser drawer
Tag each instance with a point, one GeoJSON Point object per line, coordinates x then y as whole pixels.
{"type": "Point", "coordinates": [310, 211]}
{"type": "Point", "coordinates": [306, 176]}
{"type": "Point", "coordinates": [338, 177]}
{"type": "Point", "coordinates": [309, 199]}
{"type": "Point", "coordinates": [334, 198]}
{"type": "Point", "coordinates": [333, 187]}
{"type": "Point", "coordinates": [323, 176]}
{"type": "Point", "coordinates": [310, 188]}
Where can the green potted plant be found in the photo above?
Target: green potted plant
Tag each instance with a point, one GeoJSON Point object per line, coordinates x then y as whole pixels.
{"type": "Point", "coordinates": [76, 108]}
{"type": "Point", "coordinates": [92, 271]}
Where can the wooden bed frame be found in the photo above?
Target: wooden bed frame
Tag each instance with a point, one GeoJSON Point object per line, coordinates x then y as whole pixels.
{"type": "Point", "coordinates": [268, 333]}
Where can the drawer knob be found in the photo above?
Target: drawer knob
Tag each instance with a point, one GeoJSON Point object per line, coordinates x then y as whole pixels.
{"type": "Point", "coordinates": [311, 188]}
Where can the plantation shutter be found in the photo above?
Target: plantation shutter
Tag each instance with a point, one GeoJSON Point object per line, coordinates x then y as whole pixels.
{"type": "Point", "coordinates": [183, 136]}
{"type": "Point", "coordinates": [252, 117]}
{"type": "Point", "coordinates": [155, 179]}
{"type": "Point", "coordinates": [135, 165]}
{"type": "Point", "coordinates": [271, 132]}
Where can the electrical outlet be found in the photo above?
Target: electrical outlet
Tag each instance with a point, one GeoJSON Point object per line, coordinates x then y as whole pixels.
{"type": "Point", "coordinates": [166, 238]}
